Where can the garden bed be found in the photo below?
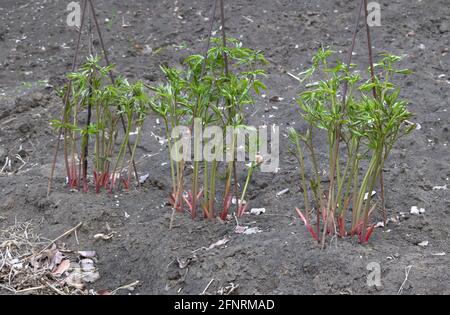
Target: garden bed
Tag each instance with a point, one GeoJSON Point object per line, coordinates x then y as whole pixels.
{"type": "Point", "coordinates": [282, 258]}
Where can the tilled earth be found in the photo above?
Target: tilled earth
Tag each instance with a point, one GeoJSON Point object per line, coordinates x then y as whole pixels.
{"type": "Point", "coordinates": [36, 50]}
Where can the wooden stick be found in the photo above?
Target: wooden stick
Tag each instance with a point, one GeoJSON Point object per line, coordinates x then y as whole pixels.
{"type": "Point", "coordinates": [66, 104]}
{"type": "Point", "coordinates": [208, 41]}
{"type": "Point", "coordinates": [111, 75]}
{"type": "Point", "coordinates": [352, 48]}
{"type": "Point", "coordinates": [369, 44]}
{"type": "Point", "coordinates": [224, 36]}
{"type": "Point", "coordinates": [128, 286]}
{"type": "Point", "coordinates": [207, 287]}
{"type": "Point", "coordinates": [60, 237]}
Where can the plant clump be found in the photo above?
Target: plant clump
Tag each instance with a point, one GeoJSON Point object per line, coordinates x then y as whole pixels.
{"type": "Point", "coordinates": [366, 123]}
{"type": "Point", "coordinates": [210, 90]}
{"type": "Point", "coordinates": [91, 121]}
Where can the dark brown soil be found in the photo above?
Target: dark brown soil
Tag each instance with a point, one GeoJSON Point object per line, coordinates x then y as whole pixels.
{"type": "Point", "coordinates": [37, 45]}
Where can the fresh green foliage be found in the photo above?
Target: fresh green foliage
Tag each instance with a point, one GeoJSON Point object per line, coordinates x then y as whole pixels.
{"type": "Point", "coordinates": [367, 126]}
{"type": "Point", "coordinates": [203, 90]}
{"type": "Point", "coordinates": [104, 105]}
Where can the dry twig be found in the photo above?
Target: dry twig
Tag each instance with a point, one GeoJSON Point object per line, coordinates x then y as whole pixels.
{"type": "Point", "coordinates": [407, 271]}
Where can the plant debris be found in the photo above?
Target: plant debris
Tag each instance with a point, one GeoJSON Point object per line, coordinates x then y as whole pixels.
{"type": "Point", "coordinates": [219, 243]}
{"type": "Point", "coordinates": [416, 211]}
{"type": "Point", "coordinates": [247, 230]}
{"type": "Point", "coordinates": [227, 290]}
{"type": "Point", "coordinates": [29, 265]}
{"type": "Point", "coordinates": [104, 237]}
{"type": "Point", "coordinates": [25, 269]}
{"type": "Point", "coordinates": [143, 178]}
{"type": "Point", "coordinates": [366, 195]}
{"type": "Point", "coordinates": [283, 192]}
{"type": "Point", "coordinates": [258, 211]}
{"type": "Point", "coordinates": [87, 254]}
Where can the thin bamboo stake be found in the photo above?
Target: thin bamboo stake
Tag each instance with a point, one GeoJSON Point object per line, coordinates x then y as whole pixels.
{"type": "Point", "coordinates": [225, 57]}
{"type": "Point", "coordinates": [224, 36]}
{"type": "Point", "coordinates": [352, 49]}
{"type": "Point", "coordinates": [111, 75]}
{"type": "Point", "coordinates": [369, 44]}
{"type": "Point", "coordinates": [205, 59]}
{"type": "Point", "coordinates": [372, 73]}
{"type": "Point", "coordinates": [208, 41]}
{"type": "Point", "coordinates": [66, 103]}
{"type": "Point", "coordinates": [335, 163]}
{"type": "Point", "coordinates": [85, 150]}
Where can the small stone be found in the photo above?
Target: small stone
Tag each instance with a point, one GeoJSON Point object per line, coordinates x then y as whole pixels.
{"type": "Point", "coordinates": [27, 102]}
{"type": "Point", "coordinates": [24, 128]}
{"type": "Point", "coordinates": [440, 187]}
{"type": "Point", "coordinates": [37, 97]}
{"type": "Point", "coordinates": [147, 50]}
{"type": "Point", "coordinates": [22, 104]}
{"type": "Point", "coordinates": [258, 211]}
{"type": "Point", "coordinates": [415, 210]}
{"type": "Point", "coordinates": [220, 264]}
{"type": "Point", "coordinates": [276, 99]}
{"type": "Point", "coordinates": [444, 27]}
{"type": "Point", "coordinates": [283, 192]}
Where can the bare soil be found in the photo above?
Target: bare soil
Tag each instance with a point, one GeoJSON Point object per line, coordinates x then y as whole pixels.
{"type": "Point", "coordinates": [36, 49]}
